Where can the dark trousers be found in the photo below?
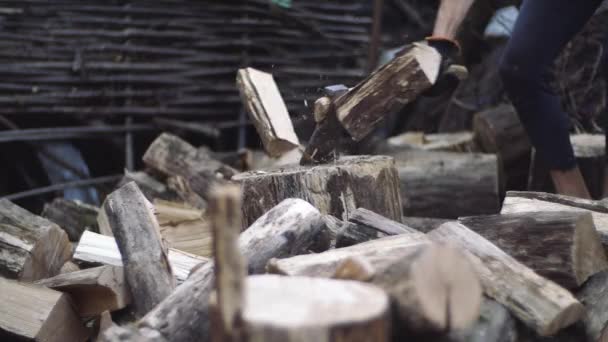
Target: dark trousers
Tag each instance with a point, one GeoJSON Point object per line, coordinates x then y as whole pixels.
{"type": "Point", "coordinates": [542, 30]}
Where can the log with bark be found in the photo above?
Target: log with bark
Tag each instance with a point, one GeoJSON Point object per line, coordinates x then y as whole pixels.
{"type": "Point", "coordinates": [367, 225]}
{"type": "Point", "coordinates": [97, 249]}
{"type": "Point", "coordinates": [32, 247]}
{"type": "Point", "coordinates": [495, 324]}
{"type": "Point", "coordinates": [448, 185]}
{"type": "Point", "coordinates": [541, 304]}
{"type": "Point", "coordinates": [35, 313]}
{"type": "Point", "coordinates": [594, 295]}
{"type": "Point", "coordinates": [337, 189]}
{"type": "Point", "coordinates": [286, 230]}
{"type": "Point", "coordinates": [262, 99]}
{"type": "Point", "coordinates": [561, 246]}
{"type": "Point", "coordinates": [150, 186]}
{"type": "Point", "coordinates": [93, 290]}
{"type": "Point", "coordinates": [183, 227]}
{"type": "Point", "coordinates": [423, 224]}
{"type": "Point", "coordinates": [441, 142]}
{"type": "Point", "coordinates": [73, 216]}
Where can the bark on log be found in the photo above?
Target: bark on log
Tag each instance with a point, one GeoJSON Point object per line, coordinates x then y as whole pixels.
{"type": "Point", "coordinates": [73, 216]}
{"type": "Point", "coordinates": [35, 313]}
{"type": "Point", "coordinates": [423, 224]}
{"type": "Point", "coordinates": [540, 303]}
{"type": "Point", "coordinates": [448, 185]}
{"type": "Point", "coordinates": [183, 228]}
{"type": "Point", "coordinates": [93, 290]}
{"type": "Point", "coordinates": [368, 225]}
{"type": "Point", "coordinates": [337, 189]}
{"type": "Point", "coordinates": [32, 247]}
{"type": "Point", "coordinates": [526, 202]}
{"type": "Point", "coordinates": [137, 233]}
{"type": "Point", "coordinates": [262, 99]}
{"type": "Point", "coordinates": [150, 186]}
{"type": "Point", "coordinates": [387, 90]}
{"type": "Point", "coordinates": [284, 231]}
{"type": "Point", "coordinates": [594, 295]}
{"type": "Point", "coordinates": [330, 310]}
{"type": "Point", "coordinates": [560, 246]}
{"type": "Point", "coordinates": [327, 236]}
{"type": "Point", "coordinates": [495, 324]}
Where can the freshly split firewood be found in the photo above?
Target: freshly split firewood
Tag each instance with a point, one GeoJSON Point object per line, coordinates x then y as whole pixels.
{"type": "Point", "coordinates": [368, 225]}
{"type": "Point", "coordinates": [539, 303]}
{"type": "Point", "coordinates": [262, 99]}
{"type": "Point", "coordinates": [93, 290]}
{"type": "Point", "coordinates": [561, 246]}
{"type": "Point", "coordinates": [35, 313]}
{"type": "Point", "coordinates": [526, 202]}
{"type": "Point", "coordinates": [32, 247]}
{"type": "Point", "coordinates": [448, 185]}
{"type": "Point", "coordinates": [286, 230]}
{"type": "Point", "coordinates": [144, 257]}
{"type": "Point", "coordinates": [73, 216]}
{"type": "Point", "coordinates": [337, 189]}
{"type": "Point", "coordinates": [99, 249]}
{"type": "Point", "coordinates": [183, 227]}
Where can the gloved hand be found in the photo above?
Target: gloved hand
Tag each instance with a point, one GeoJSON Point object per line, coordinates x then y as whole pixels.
{"type": "Point", "coordinates": [451, 72]}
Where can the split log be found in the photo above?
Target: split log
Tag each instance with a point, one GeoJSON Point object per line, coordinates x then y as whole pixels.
{"type": "Point", "coordinates": [99, 249]}
{"type": "Point", "coordinates": [69, 267]}
{"type": "Point", "coordinates": [368, 225]}
{"type": "Point", "coordinates": [137, 233]}
{"type": "Point", "coordinates": [495, 324]}
{"type": "Point", "coordinates": [262, 99]}
{"type": "Point", "coordinates": [423, 224]}
{"type": "Point", "coordinates": [149, 186]}
{"type": "Point", "coordinates": [526, 202]}
{"type": "Point", "coordinates": [448, 185]}
{"type": "Point", "coordinates": [93, 290]}
{"type": "Point", "coordinates": [337, 189]}
{"type": "Point", "coordinates": [183, 228]}
{"type": "Point", "coordinates": [404, 266]}
{"type": "Point", "coordinates": [330, 310]}
{"type": "Point", "coordinates": [500, 131]}
{"type": "Point", "coordinates": [73, 216]}
{"type": "Point", "coordinates": [185, 192]}
{"type": "Point", "coordinates": [32, 247]}
{"type": "Point", "coordinates": [174, 157]}
{"type": "Point", "coordinates": [327, 236]}
{"type": "Point", "coordinates": [560, 246]}
{"type": "Point", "coordinates": [286, 230]}
{"type": "Point", "coordinates": [441, 142]}
{"type": "Point", "coordinates": [355, 268]}
{"type": "Point", "coordinates": [35, 313]}
{"type": "Point", "coordinates": [594, 295]}
{"type": "Point", "coordinates": [393, 86]}
{"type": "Point", "coordinates": [539, 303]}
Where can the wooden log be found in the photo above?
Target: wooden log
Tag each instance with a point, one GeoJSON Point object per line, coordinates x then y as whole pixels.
{"type": "Point", "coordinates": [387, 90]}
{"type": "Point", "coordinates": [32, 247]}
{"type": "Point", "coordinates": [69, 267]}
{"type": "Point", "coordinates": [93, 290]}
{"type": "Point", "coordinates": [185, 192]}
{"type": "Point", "coordinates": [539, 303]}
{"type": "Point", "coordinates": [73, 216]}
{"type": "Point", "coordinates": [423, 224]}
{"type": "Point", "coordinates": [149, 186]}
{"type": "Point", "coordinates": [594, 295]}
{"type": "Point", "coordinates": [35, 313]}
{"type": "Point", "coordinates": [495, 324]}
{"type": "Point", "coordinates": [441, 142]}
{"type": "Point", "coordinates": [355, 268]}
{"type": "Point", "coordinates": [336, 189]}
{"type": "Point", "coordinates": [327, 236]}
{"type": "Point", "coordinates": [99, 249]}
{"type": "Point", "coordinates": [352, 311]}
{"type": "Point", "coordinates": [183, 227]}
{"type": "Point", "coordinates": [103, 323]}
{"type": "Point", "coordinates": [284, 231]}
{"type": "Point", "coordinates": [561, 246]}
{"type": "Point", "coordinates": [137, 233]}
{"type": "Point", "coordinates": [368, 225]}
{"type": "Point", "coordinates": [526, 202]}
{"type": "Point", "coordinates": [262, 99]}
{"type": "Point", "coordinates": [434, 184]}
{"type": "Point", "coordinates": [500, 131]}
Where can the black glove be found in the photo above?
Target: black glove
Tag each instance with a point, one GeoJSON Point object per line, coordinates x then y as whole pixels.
{"type": "Point", "coordinates": [451, 72]}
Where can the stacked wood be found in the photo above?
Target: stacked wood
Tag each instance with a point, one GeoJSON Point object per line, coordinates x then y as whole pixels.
{"type": "Point", "coordinates": [35, 313]}
{"type": "Point", "coordinates": [448, 185]}
{"type": "Point", "coordinates": [147, 269]}
{"type": "Point", "coordinates": [561, 246]}
{"type": "Point", "coordinates": [149, 186]}
{"type": "Point", "coordinates": [73, 216]}
{"type": "Point", "coordinates": [32, 247]}
{"type": "Point", "coordinates": [175, 157]}
{"type": "Point", "coordinates": [446, 142]}
{"type": "Point", "coordinates": [183, 227]}
{"type": "Point", "coordinates": [337, 189]}
{"type": "Point", "coordinates": [367, 225]}
{"type": "Point", "coordinates": [539, 303]}
{"type": "Point", "coordinates": [263, 101]}
{"type": "Point", "coordinates": [286, 230]}
{"type": "Point", "coordinates": [94, 290]}
{"type": "Point", "coordinates": [96, 249]}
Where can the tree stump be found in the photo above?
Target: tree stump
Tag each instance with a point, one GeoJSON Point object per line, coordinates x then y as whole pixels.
{"type": "Point", "coordinates": [337, 189]}
{"type": "Point", "coordinates": [448, 185]}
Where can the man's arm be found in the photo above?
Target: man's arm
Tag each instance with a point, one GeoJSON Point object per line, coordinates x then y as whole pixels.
{"type": "Point", "coordinates": [450, 16]}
